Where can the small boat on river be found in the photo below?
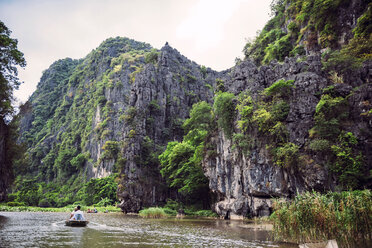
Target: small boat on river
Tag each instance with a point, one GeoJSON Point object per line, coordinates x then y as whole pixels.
{"type": "Point", "coordinates": [78, 223]}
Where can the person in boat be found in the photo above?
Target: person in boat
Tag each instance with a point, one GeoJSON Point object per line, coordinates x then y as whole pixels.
{"type": "Point", "coordinates": [95, 210]}
{"type": "Point", "coordinates": [73, 213]}
{"type": "Point", "coordinates": [78, 214]}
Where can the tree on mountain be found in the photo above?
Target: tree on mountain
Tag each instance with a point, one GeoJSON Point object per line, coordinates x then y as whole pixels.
{"type": "Point", "coordinates": [10, 58]}
{"type": "Point", "coordinates": [181, 162]}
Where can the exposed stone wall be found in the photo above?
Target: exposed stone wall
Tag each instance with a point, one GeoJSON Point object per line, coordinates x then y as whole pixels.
{"type": "Point", "coordinates": [245, 184]}
{"type": "Point", "coordinates": [174, 85]}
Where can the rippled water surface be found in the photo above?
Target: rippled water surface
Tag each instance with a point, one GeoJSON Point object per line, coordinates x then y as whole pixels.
{"type": "Point", "coordinates": [22, 229]}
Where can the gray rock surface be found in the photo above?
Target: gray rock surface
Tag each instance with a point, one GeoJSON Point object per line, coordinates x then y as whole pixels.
{"type": "Point", "coordinates": [245, 184]}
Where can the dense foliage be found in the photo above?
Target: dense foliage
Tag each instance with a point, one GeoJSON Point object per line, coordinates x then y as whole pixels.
{"type": "Point", "coordinates": [329, 136]}
{"type": "Point", "coordinates": [181, 161]}
{"type": "Point", "coordinates": [298, 26]}
{"type": "Point", "coordinates": [224, 107]}
{"type": "Point", "coordinates": [267, 115]}
{"type": "Point", "coordinates": [10, 58]}
{"type": "Point", "coordinates": [345, 216]}
{"type": "Point", "coordinates": [99, 191]}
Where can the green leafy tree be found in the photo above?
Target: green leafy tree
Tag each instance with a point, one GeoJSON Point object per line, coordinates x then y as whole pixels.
{"type": "Point", "coordinates": [181, 161]}
{"type": "Point", "coordinates": [10, 58]}
{"type": "Point", "coordinates": [29, 192]}
{"type": "Point", "coordinates": [98, 189]}
{"type": "Point", "coordinates": [199, 123]}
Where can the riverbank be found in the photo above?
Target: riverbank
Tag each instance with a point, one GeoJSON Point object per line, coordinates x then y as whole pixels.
{"type": "Point", "coordinates": [154, 212]}
{"type": "Point", "coordinates": [66, 209]}
{"type": "Point", "coordinates": [164, 212]}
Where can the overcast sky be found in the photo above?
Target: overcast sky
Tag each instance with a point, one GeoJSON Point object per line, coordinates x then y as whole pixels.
{"type": "Point", "coordinates": [210, 32]}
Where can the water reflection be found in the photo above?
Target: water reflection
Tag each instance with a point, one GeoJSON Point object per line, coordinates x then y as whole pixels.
{"type": "Point", "coordinates": [117, 230]}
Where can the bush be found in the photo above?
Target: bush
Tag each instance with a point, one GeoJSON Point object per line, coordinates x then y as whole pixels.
{"type": "Point", "coordinates": [174, 205]}
{"type": "Point", "coordinates": [351, 57]}
{"type": "Point", "coordinates": [200, 117]}
{"type": "Point", "coordinates": [29, 192]}
{"type": "Point", "coordinates": [281, 88]}
{"type": "Point", "coordinates": [99, 188]}
{"type": "Point", "coordinates": [287, 155]}
{"type": "Point", "coordinates": [15, 204]}
{"type": "Point", "coordinates": [329, 112]}
{"type": "Point", "coordinates": [280, 110]}
{"type": "Point", "coordinates": [279, 132]}
{"type": "Point", "coordinates": [44, 203]}
{"type": "Point", "coordinates": [12, 197]}
{"type": "Point", "coordinates": [152, 56]}
{"type": "Point", "coordinates": [111, 149]}
{"type": "Point", "coordinates": [104, 202]}
{"type": "Point", "coordinates": [220, 85]}
{"type": "Point", "coordinates": [263, 119]}
{"type": "Point", "coordinates": [348, 163]}
{"type": "Point", "coordinates": [279, 49]}
{"type": "Point", "coordinates": [224, 107]}
{"type": "Point", "coordinates": [245, 108]}
{"type": "Point", "coordinates": [170, 212]}
{"type": "Point", "coordinates": [319, 145]}
{"type": "Point", "coordinates": [153, 213]}
{"type": "Point", "coordinates": [129, 115]}
{"type": "Point", "coordinates": [78, 161]}
{"type": "Point", "coordinates": [243, 143]}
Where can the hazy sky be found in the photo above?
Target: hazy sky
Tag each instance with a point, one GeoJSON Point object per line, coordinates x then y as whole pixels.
{"type": "Point", "coordinates": [210, 32]}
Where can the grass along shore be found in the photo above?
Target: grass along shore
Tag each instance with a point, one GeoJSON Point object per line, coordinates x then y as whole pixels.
{"type": "Point", "coordinates": [5, 208]}
{"type": "Point", "coordinates": [344, 216]}
{"type": "Point", "coordinates": [152, 212]}
{"type": "Point", "coordinates": [158, 212]}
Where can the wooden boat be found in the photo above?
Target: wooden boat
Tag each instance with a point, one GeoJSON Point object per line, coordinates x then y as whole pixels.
{"type": "Point", "coordinates": [76, 222]}
{"type": "Point", "coordinates": [325, 244]}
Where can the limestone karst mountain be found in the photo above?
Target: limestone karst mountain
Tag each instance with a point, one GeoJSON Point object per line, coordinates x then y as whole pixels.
{"type": "Point", "coordinates": [303, 123]}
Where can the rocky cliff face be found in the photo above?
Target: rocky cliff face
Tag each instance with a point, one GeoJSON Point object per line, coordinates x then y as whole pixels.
{"type": "Point", "coordinates": [162, 96]}
{"type": "Point", "coordinates": [113, 111]}
{"type": "Point", "coordinates": [5, 168]}
{"type": "Point", "coordinates": [246, 182]}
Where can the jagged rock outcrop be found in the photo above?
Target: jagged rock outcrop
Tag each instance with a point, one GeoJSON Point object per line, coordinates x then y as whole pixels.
{"type": "Point", "coordinates": [163, 96]}
{"type": "Point", "coordinates": [113, 111]}
{"type": "Point", "coordinates": [246, 183]}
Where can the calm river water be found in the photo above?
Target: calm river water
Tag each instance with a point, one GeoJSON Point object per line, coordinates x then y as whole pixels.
{"type": "Point", "coordinates": [27, 229]}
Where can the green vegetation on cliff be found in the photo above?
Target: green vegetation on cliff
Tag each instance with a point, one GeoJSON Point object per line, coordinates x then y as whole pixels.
{"type": "Point", "coordinates": [99, 191]}
{"type": "Point", "coordinates": [58, 128]}
{"type": "Point", "coordinates": [181, 161]}
{"type": "Point", "coordinates": [298, 27]}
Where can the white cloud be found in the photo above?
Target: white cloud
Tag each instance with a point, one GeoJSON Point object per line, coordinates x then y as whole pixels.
{"type": "Point", "coordinates": [210, 32]}
{"type": "Point", "coordinates": [205, 24]}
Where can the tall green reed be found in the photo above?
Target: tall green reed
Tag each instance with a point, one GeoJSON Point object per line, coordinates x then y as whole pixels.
{"type": "Point", "coordinates": [344, 216]}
